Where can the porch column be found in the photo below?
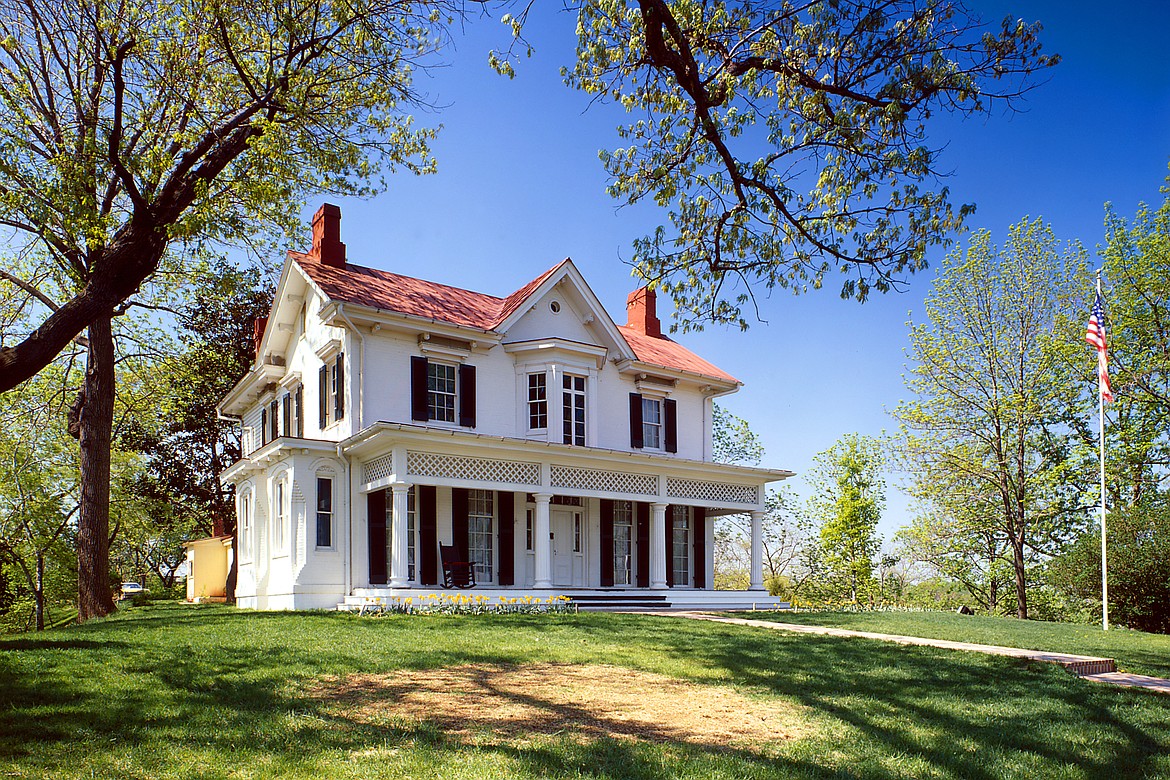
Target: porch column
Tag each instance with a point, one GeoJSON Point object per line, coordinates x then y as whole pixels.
{"type": "Point", "coordinates": [658, 546]}
{"type": "Point", "coordinates": [541, 543]}
{"type": "Point", "coordinates": [398, 556]}
{"type": "Point", "coordinates": [757, 578]}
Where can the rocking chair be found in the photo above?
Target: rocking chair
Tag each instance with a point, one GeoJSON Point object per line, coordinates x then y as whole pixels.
{"type": "Point", "coordinates": [456, 573]}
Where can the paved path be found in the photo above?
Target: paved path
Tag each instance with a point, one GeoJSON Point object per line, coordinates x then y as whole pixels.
{"type": "Point", "coordinates": [1101, 670]}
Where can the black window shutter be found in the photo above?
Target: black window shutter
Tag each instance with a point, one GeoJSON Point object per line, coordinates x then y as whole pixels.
{"type": "Point", "coordinates": [606, 542]}
{"type": "Point", "coordinates": [339, 400]}
{"type": "Point", "coordinates": [670, 413]}
{"type": "Point", "coordinates": [273, 421]}
{"type": "Point", "coordinates": [263, 427]}
{"type": "Point", "coordinates": [324, 397]}
{"type": "Point", "coordinates": [427, 514]}
{"type": "Point", "coordinates": [506, 501]}
{"type": "Point", "coordinates": [286, 414]}
{"type": "Point", "coordinates": [418, 389]}
{"type": "Point", "coordinates": [699, 529]}
{"type": "Point", "coordinates": [636, 421]}
{"type": "Point", "coordinates": [467, 396]}
{"type": "Point", "coordinates": [376, 522]}
{"type": "Point", "coordinates": [642, 510]}
{"type": "Point", "coordinates": [459, 521]}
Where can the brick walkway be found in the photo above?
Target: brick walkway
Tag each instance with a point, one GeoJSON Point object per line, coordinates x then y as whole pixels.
{"type": "Point", "coordinates": [1100, 670]}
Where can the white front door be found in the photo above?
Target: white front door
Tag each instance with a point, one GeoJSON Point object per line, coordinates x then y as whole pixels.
{"type": "Point", "coordinates": [567, 542]}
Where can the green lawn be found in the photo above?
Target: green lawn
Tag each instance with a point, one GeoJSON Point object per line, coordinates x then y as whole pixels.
{"type": "Point", "coordinates": [190, 692]}
{"type": "Point", "coordinates": [1134, 651]}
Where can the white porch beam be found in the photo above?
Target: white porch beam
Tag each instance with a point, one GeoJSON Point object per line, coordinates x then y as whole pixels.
{"type": "Point", "coordinates": [757, 575]}
{"type": "Point", "coordinates": [658, 546]}
{"type": "Point", "coordinates": [541, 543]}
{"type": "Point", "coordinates": [399, 564]}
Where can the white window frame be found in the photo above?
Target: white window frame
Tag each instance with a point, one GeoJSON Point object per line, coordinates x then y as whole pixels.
{"type": "Point", "coordinates": [433, 393]}
{"type": "Point", "coordinates": [652, 429]}
{"type": "Point", "coordinates": [245, 524]}
{"type": "Point", "coordinates": [331, 512]}
{"type": "Point", "coordinates": [481, 508]}
{"type": "Point", "coordinates": [623, 563]}
{"type": "Point", "coordinates": [680, 523]}
{"type": "Point", "coordinates": [569, 409]}
{"type": "Point", "coordinates": [280, 499]}
{"type": "Point", "coordinates": [536, 405]}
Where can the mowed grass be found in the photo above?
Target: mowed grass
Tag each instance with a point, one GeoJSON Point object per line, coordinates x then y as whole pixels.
{"type": "Point", "coordinates": [200, 692]}
{"type": "Point", "coordinates": [1134, 651]}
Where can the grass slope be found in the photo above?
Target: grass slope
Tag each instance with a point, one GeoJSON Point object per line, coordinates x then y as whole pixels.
{"type": "Point", "coordinates": [202, 692]}
{"type": "Point", "coordinates": [1134, 651]}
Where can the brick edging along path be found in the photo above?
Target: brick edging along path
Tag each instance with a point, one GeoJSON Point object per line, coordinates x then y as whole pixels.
{"type": "Point", "coordinates": [1101, 670]}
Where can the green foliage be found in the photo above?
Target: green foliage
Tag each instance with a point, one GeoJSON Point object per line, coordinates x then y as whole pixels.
{"type": "Point", "coordinates": [732, 439]}
{"type": "Point", "coordinates": [1139, 570]}
{"type": "Point", "coordinates": [788, 141]}
{"type": "Point", "coordinates": [848, 497]}
{"type": "Point", "coordinates": [990, 440]}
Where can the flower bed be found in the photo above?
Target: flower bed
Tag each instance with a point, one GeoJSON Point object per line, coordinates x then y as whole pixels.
{"type": "Point", "coordinates": [461, 604]}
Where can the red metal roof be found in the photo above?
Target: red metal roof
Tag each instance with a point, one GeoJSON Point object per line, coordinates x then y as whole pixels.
{"type": "Point", "coordinates": [406, 295]}
{"type": "Point", "coordinates": [661, 351]}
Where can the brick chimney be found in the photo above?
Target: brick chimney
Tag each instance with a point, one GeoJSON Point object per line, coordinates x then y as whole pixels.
{"type": "Point", "coordinates": [642, 313]}
{"type": "Point", "coordinates": [258, 327]}
{"type": "Point", "coordinates": [327, 246]}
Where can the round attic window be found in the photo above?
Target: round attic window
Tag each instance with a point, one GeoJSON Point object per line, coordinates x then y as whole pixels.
{"type": "Point", "coordinates": [555, 307]}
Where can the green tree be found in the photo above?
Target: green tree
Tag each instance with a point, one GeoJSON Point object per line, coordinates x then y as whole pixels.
{"type": "Point", "coordinates": [786, 141]}
{"type": "Point", "coordinates": [998, 375]}
{"type": "Point", "coordinates": [187, 445]}
{"type": "Point", "coordinates": [133, 126]}
{"type": "Point", "coordinates": [848, 497]}
{"type": "Point", "coordinates": [733, 440]}
{"type": "Point", "coordinates": [38, 499]}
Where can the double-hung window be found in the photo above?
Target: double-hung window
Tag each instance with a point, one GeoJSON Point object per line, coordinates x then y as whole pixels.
{"type": "Point", "coordinates": [623, 543]}
{"type": "Point", "coordinates": [331, 391]}
{"type": "Point", "coordinates": [324, 512]}
{"type": "Point", "coordinates": [411, 522]}
{"type": "Point", "coordinates": [279, 516]}
{"type": "Point", "coordinates": [480, 510]}
{"type": "Point", "coordinates": [651, 423]}
{"type": "Point", "coordinates": [680, 523]}
{"type": "Point", "coordinates": [573, 404]}
{"type": "Point", "coordinates": [440, 391]}
{"type": "Point", "coordinates": [537, 402]}
{"type": "Point", "coordinates": [246, 526]}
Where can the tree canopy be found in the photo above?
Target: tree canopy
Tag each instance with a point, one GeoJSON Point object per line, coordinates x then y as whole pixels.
{"type": "Point", "coordinates": [788, 140]}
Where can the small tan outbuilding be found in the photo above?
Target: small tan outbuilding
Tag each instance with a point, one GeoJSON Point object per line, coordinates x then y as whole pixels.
{"type": "Point", "coordinates": [208, 562]}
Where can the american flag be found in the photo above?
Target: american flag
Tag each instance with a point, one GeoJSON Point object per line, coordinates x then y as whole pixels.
{"type": "Point", "coordinates": [1096, 336]}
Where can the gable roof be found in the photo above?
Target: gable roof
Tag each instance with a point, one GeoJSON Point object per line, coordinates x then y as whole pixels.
{"type": "Point", "coordinates": [389, 291]}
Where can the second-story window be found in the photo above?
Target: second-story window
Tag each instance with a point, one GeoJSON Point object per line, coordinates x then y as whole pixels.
{"type": "Point", "coordinates": [573, 403]}
{"type": "Point", "coordinates": [537, 402]}
{"type": "Point", "coordinates": [440, 391]}
{"type": "Point", "coordinates": [332, 391]}
{"type": "Point", "coordinates": [651, 423]}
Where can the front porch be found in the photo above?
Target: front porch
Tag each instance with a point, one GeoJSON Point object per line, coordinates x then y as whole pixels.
{"type": "Point", "coordinates": [591, 599]}
{"type": "Point", "coordinates": [539, 518]}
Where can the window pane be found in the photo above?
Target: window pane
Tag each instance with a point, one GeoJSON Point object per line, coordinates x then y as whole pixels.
{"type": "Point", "coordinates": [537, 402]}
{"type": "Point", "coordinates": [573, 409]}
{"type": "Point", "coordinates": [651, 423]}
{"type": "Point", "coordinates": [623, 546]}
{"type": "Point", "coordinates": [441, 391]}
{"type": "Point", "coordinates": [681, 545]}
{"type": "Point", "coordinates": [479, 533]}
{"type": "Point", "coordinates": [324, 512]}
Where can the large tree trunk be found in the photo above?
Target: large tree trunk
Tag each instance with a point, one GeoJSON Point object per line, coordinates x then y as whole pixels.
{"type": "Point", "coordinates": [95, 424]}
{"type": "Point", "coordinates": [1021, 577]}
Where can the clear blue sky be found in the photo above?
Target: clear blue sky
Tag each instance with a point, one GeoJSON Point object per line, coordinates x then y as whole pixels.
{"type": "Point", "coordinates": [520, 187]}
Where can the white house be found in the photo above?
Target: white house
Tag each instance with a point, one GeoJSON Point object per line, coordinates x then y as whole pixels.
{"type": "Point", "coordinates": [557, 451]}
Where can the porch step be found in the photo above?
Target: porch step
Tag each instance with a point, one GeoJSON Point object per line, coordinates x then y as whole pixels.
{"type": "Point", "coordinates": [610, 602]}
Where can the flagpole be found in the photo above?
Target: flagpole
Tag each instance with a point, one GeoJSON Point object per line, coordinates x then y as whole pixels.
{"type": "Point", "coordinates": [1101, 446]}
